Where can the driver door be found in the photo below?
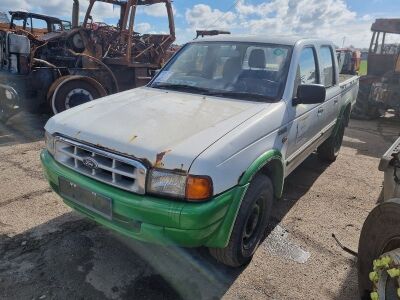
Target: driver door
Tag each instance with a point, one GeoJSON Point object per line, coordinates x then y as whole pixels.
{"type": "Point", "coordinates": [304, 127]}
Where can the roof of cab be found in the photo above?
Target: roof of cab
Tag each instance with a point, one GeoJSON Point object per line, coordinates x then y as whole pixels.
{"type": "Point", "coordinates": [24, 14]}
{"type": "Point", "coordinates": [282, 40]}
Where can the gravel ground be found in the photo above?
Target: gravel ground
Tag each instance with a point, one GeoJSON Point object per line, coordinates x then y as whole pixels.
{"type": "Point", "coordinates": [49, 252]}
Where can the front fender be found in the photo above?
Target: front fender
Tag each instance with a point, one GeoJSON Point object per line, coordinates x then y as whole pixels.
{"type": "Point", "coordinates": [270, 163]}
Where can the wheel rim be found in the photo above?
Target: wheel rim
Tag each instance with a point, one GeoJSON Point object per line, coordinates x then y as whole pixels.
{"type": "Point", "coordinates": [77, 97]}
{"type": "Point", "coordinates": [386, 286]}
{"type": "Point", "coordinates": [391, 287]}
{"type": "Point", "coordinates": [250, 231]}
{"type": "Point", "coordinates": [392, 284]}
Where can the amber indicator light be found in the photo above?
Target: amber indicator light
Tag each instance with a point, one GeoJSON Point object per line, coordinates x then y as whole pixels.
{"type": "Point", "coordinates": [198, 188]}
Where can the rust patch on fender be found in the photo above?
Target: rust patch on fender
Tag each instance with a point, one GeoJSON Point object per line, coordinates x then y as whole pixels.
{"type": "Point", "coordinates": [159, 158]}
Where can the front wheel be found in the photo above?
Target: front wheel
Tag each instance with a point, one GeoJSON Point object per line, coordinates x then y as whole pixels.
{"type": "Point", "coordinates": [250, 224]}
{"type": "Point", "coordinates": [72, 91]}
{"type": "Point", "coordinates": [379, 252]}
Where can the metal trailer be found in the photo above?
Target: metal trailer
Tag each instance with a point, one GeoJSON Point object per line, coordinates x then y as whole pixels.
{"type": "Point", "coordinates": [379, 245]}
{"type": "Point", "coordinates": [380, 88]}
{"type": "Point", "coordinates": [60, 70]}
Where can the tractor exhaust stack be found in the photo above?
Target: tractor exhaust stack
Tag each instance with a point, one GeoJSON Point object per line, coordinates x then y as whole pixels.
{"type": "Point", "coordinates": [75, 14]}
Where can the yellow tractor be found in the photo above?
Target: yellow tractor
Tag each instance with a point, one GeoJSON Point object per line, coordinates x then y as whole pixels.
{"type": "Point", "coordinates": [380, 88]}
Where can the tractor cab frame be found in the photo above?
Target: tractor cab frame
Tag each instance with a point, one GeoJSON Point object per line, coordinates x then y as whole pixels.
{"type": "Point", "coordinates": [384, 53]}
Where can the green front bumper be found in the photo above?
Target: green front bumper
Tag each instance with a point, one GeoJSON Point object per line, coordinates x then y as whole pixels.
{"type": "Point", "coordinates": [154, 219]}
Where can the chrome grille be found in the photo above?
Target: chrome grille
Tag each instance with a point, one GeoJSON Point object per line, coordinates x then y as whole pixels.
{"type": "Point", "coordinates": [107, 167]}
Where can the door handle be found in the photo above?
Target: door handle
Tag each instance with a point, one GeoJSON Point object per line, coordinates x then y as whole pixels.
{"type": "Point", "coordinates": [336, 101]}
{"type": "Point", "coordinates": [282, 130]}
{"type": "Point", "coordinates": [320, 110]}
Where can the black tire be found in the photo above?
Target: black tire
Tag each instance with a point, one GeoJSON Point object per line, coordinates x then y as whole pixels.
{"type": "Point", "coordinates": [380, 234]}
{"type": "Point", "coordinates": [5, 115]}
{"type": "Point", "coordinates": [329, 150]}
{"type": "Point", "coordinates": [365, 109]}
{"type": "Point", "coordinates": [65, 98]}
{"type": "Point", "coordinates": [249, 229]}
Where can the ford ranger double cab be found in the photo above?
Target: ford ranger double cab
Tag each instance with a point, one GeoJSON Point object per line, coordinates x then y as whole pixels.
{"type": "Point", "coordinates": [197, 157]}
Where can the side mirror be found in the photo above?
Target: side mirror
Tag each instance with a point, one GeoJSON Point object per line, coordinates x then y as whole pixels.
{"type": "Point", "coordinates": [310, 94]}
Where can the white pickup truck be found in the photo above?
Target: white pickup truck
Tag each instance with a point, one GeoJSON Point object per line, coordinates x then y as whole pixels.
{"type": "Point", "coordinates": [197, 157]}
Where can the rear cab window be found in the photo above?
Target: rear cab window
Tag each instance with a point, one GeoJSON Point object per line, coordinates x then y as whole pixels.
{"type": "Point", "coordinates": [327, 66]}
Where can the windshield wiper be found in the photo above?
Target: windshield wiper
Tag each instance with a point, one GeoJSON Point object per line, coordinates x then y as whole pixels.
{"type": "Point", "coordinates": [207, 92]}
{"type": "Point", "coordinates": [242, 95]}
{"type": "Point", "coordinates": [181, 87]}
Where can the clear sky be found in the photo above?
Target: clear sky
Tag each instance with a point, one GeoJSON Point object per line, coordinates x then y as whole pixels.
{"type": "Point", "coordinates": [334, 19]}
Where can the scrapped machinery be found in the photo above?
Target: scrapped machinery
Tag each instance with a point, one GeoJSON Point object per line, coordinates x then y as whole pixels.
{"type": "Point", "coordinates": [380, 88]}
{"type": "Point", "coordinates": [203, 33]}
{"type": "Point", "coordinates": [379, 246]}
{"type": "Point", "coordinates": [60, 70]}
{"type": "Point", "coordinates": [349, 60]}
{"type": "Point", "coordinates": [4, 20]}
{"type": "Point", "coordinates": [35, 24]}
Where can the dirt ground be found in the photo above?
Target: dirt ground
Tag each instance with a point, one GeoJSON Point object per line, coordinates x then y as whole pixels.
{"type": "Point", "coordinates": [49, 252]}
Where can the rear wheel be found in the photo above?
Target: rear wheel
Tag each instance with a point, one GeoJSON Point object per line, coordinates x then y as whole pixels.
{"type": "Point", "coordinates": [329, 150]}
{"type": "Point", "coordinates": [74, 91]}
{"type": "Point", "coordinates": [250, 224]}
{"type": "Point", "coordinates": [380, 242]}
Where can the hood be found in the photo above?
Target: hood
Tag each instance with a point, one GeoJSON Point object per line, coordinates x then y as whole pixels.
{"type": "Point", "coordinates": [167, 129]}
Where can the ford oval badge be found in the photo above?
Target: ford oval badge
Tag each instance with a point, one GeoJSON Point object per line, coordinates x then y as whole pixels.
{"type": "Point", "coordinates": [90, 163]}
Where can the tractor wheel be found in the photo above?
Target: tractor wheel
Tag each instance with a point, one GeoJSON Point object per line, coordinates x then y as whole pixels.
{"type": "Point", "coordinates": [71, 91]}
{"type": "Point", "coordinates": [379, 253]}
{"type": "Point", "coordinates": [364, 109]}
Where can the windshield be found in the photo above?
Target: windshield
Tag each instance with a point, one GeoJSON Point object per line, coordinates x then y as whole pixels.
{"type": "Point", "coordinates": [247, 71]}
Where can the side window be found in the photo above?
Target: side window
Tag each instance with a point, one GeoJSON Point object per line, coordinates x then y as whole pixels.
{"type": "Point", "coordinates": [327, 66]}
{"type": "Point", "coordinates": [39, 26]}
{"type": "Point", "coordinates": [307, 69]}
{"type": "Point", "coordinates": [56, 27]}
{"type": "Point", "coordinates": [18, 23]}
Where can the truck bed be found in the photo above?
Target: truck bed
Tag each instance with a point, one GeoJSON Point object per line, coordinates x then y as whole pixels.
{"type": "Point", "coordinates": [343, 78]}
{"type": "Point", "coordinates": [349, 87]}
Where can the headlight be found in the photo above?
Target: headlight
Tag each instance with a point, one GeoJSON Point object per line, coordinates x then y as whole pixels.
{"type": "Point", "coordinates": [50, 140]}
{"type": "Point", "coordinates": [167, 183]}
{"type": "Point", "coordinates": [180, 186]}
